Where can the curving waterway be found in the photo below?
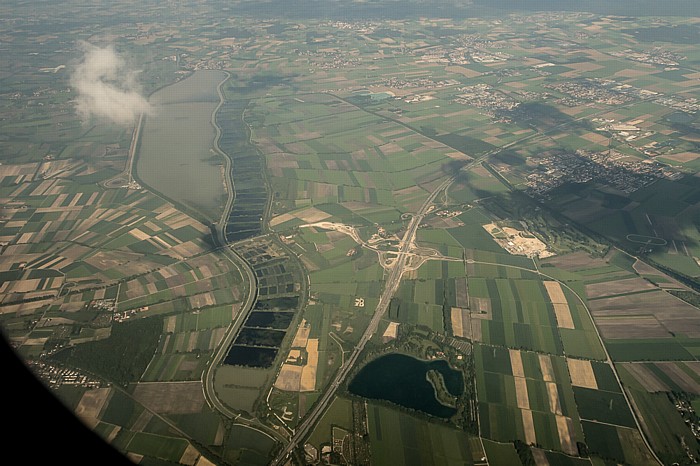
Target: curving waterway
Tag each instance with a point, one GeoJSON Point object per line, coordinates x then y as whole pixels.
{"type": "Point", "coordinates": [176, 156]}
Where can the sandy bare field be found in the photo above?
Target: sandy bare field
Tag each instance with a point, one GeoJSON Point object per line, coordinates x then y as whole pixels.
{"type": "Point", "coordinates": [546, 367]}
{"type": "Point", "coordinates": [529, 427]}
{"type": "Point", "coordinates": [563, 313]}
{"type": "Point", "coordinates": [516, 363]}
{"type": "Point", "coordinates": [289, 378]}
{"type": "Point", "coordinates": [582, 374]}
{"type": "Point", "coordinates": [204, 462]}
{"type": "Point", "coordinates": [308, 374]}
{"type": "Point", "coordinates": [553, 396]}
{"type": "Point", "coordinates": [540, 457]}
{"type": "Point", "coordinates": [302, 335]}
{"type": "Point", "coordinates": [475, 328]}
{"type": "Point", "coordinates": [683, 157]}
{"type": "Point", "coordinates": [457, 323]}
{"type": "Point", "coordinates": [521, 395]}
{"type": "Point", "coordinates": [169, 324]}
{"type": "Point", "coordinates": [466, 72]}
{"type": "Point", "coordinates": [189, 457]}
{"type": "Point", "coordinates": [565, 428]}
{"type": "Point", "coordinates": [556, 294]}
{"type": "Point", "coordinates": [281, 219]}
{"type": "Point", "coordinates": [312, 215]}
{"type": "Point", "coordinates": [561, 306]}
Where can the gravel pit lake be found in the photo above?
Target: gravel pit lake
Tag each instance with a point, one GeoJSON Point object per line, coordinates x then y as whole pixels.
{"type": "Point", "coordinates": [402, 380]}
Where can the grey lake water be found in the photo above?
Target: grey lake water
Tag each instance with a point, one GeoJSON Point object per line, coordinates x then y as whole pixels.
{"type": "Point", "coordinates": [176, 155]}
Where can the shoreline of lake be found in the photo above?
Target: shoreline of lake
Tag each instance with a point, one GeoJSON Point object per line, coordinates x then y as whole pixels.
{"type": "Point", "coordinates": [177, 155]}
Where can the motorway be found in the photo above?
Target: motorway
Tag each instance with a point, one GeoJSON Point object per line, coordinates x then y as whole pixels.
{"type": "Point", "coordinates": [392, 284]}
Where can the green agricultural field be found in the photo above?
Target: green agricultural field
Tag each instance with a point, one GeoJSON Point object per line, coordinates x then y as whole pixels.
{"type": "Point", "coordinates": [163, 368]}
{"type": "Point", "coordinates": [648, 350]}
{"type": "Point", "coordinates": [502, 398]}
{"type": "Point", "coordinates": [157, 446]}
{"type": "Point", "coordinates": [584, 344]}
{"type": "Point", "coordinates": [616, 443]}
{"type": "Point", "coordinates": [517, 321]}
{"type": "Point", "coordinates": [397, 438]}
{"type": "Point", "coordinates": [603, 440]}
{"type": "Point", "coordinates": [339, 414]}
{"type": "Point", "coordinates": [473, 236]}
{"type": "Point", "coordinates": [501, 453]}
{"type": "Point", "coordinates": [603, 406]}
{"type": "Point", "coordinates": [248, 445]}
{"type": "Point", "coordinates": [122, 410]}
{"type": "Point", "coordinates": [500, 423]}
{"type": "Point", "coordinates": [203, 427]}
{"type": "Point", "coordinates": [214, 317]}
{"type": "Point", "coordinates": [664, 424]}
{"type": "Point", "coordinates": [605, 379]}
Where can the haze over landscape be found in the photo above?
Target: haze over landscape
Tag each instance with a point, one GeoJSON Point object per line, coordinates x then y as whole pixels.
{"type": "Point", "coordinates": [380, 232]}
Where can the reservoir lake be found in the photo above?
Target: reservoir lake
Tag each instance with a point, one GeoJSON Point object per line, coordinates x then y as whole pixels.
{"type": "Point", "coordinates": [401, 379]}
{"type": "Point", "coordinates": [176, 156]}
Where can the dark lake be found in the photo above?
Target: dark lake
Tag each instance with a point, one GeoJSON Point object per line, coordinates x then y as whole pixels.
{"type": "Point", "coordinates": [251, 357]}
{"type": "Point", "coordinates": [401, 379]}
{"type": "Point", "coordinates": [270, 319]}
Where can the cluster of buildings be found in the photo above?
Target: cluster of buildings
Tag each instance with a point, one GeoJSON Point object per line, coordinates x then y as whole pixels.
{"type": "Point", "coordinates": [424, 83]}
{"type": "Point", "coordinates": [472, 49]}
{"type": "Point", "coordinates": [607, 167]}
{"type": "Point", "coordinates": [482, 56]}
{"type": "Point", "coordinates": [448, 213]}
{"type": "Point", "coordinates": [610, 92]}
{"type": "Point", "coordinates": [108, 305]}
{"type": "Point", "coordinates": [587, 90]}
{"type": "Point", "coordinates": [688, 105]}
{"type": "Point", "coordinates": [54, 376]}
{"type": "Point", "coordinates": [126, 315]}
{"type": "Point", "coordinates": [445, 56]}
{"type": "Point", "coordinates": [485, 97]}
{"type": "Point", "coordinates": [656, 56]}
{"type": "Point", "coordinates": [685, 409]}
{"type": "Point", "coordinates": [331, 60]}
{"type": "Point", "coordinates": [359, 27]}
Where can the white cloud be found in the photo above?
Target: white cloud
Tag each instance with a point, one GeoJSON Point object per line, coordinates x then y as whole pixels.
{"type": "Point", "coordinates": [106, 87]}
